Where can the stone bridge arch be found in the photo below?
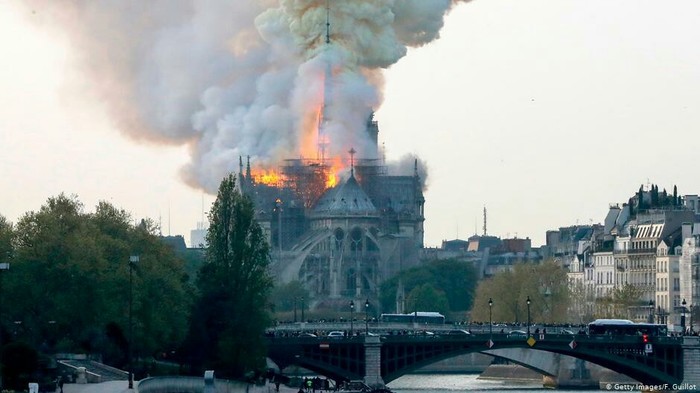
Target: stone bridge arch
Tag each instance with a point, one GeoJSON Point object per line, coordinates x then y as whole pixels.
{"type": "Point", "coordinates": [400, 355]}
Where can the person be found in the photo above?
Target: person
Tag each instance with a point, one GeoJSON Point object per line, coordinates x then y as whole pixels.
{"type": "Point", "coordinates": [277, 384]}
{"type": "Point", "coordinates": [60, 384]}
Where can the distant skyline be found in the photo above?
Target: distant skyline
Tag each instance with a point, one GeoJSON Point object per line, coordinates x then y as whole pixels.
{"type": "Point", "coordinates": [543, 111]}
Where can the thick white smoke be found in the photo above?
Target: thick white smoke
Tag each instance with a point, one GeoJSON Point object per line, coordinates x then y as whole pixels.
{"type": "Point", "coordinates": [241, 78]}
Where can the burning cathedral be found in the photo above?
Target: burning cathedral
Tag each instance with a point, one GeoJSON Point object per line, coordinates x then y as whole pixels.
{"type": "Point", "coordinates": [267, 79]}
{"type": "Point", "coordinates": [338, 218]}
{"type": "Point", "coordinates": [339, 235]}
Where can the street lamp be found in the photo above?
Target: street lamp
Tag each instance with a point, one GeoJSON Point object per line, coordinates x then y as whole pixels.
{"type": "Point", "coordinates": [651, 311]}
{"type": "Point", "coordinates": [352, 310]}
{"type": "Point", "coordinates": [548, 304]}
{"type": "Point", "coordinates": [690, 322]}
{"type": "Point", "coordinates": [132, 262]}
{"type": "Point", "coordinates": [367, 317]}
{"type": "Point", "coordinates": [302, 309]}
{"type": "Point", "coordinates": [278, 204]}
{"type": "Point", "coordinates": [295, 309]}
{"type": "Point", "coordinates": [528, 315]}
{"type": "Point", "coordinates": [3, 266]}
{"type": "Point", "coordinates": [490, 321]}
{"type": "Point", "coordinates": [683, 303]}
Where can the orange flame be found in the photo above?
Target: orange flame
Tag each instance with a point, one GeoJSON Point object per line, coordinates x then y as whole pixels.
{"type": "Point", "coordinates": [336, 165]}
{"type": "Point", "coordinates": [268, 177]}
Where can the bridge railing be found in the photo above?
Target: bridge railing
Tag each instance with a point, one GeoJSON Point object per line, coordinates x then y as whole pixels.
{"type": "Point", "coordinates": [358, 328]}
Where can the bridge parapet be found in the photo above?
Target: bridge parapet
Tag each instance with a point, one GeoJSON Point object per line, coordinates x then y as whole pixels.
{"type": "Point", "coordinates": [373, 362]}
{"type": "Point", "coordinates": [660, 360]}
{"type": "Point", "coordinates": [691, 363]}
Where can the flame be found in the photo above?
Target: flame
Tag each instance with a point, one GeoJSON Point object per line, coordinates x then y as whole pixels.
{"type": "Point", "coordinates": [268, 177]}
{"type": "Point", "coordinates": [336, 164]}
{"type": "Point", "coordinates": [331, 180]}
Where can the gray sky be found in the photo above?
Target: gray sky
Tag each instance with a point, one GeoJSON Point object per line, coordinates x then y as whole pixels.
{"type": "Point", "coordinates": [545, 111]}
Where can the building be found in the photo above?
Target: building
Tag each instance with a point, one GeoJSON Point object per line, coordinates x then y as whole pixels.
{"type": "Point", "coordinates": [643, 246]}
{"type": "Point", "coordinates": [341, 238]}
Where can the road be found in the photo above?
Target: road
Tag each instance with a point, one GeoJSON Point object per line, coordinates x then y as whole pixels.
{"type": "Point", "coordinates": [104, 387]}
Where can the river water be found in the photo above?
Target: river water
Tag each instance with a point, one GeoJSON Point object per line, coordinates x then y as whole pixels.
{"type": "Point", "coordinates": [448, 383]}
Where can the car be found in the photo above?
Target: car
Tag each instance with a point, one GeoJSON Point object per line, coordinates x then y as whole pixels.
{"type": "Point", "coordinates": [567, 331]}
{"type": "Point", "coordinates": [458, 332]}
{"type": "Point", "coordinates": [306, 334]}
{"type": "Point", "coordinates": [517, 334]}
{"type": "Point", "coordinates": [336, 334]}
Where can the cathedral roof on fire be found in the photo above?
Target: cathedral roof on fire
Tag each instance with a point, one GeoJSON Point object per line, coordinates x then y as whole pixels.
{"type": "Point", "coordinates": [345, 199]}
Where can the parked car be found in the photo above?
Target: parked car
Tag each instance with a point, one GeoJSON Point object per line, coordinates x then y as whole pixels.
{"type": "Point", "coordinates": [336, 334]}
{"type": "Point", "coordinates": [306, 334]}
{"type": "Point", "coordinates": [517, 334]}
{"type": "Point", "coordinates": [458, 332]}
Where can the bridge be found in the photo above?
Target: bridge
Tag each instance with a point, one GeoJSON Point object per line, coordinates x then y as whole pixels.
{"type": "Point", "coordinates": [380, 359]}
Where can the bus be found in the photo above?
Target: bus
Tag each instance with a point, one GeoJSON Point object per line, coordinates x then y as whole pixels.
{"type": "Point", "coordinates": [624, 327]}
{"type": "Point", "coordinates": [422, 317]}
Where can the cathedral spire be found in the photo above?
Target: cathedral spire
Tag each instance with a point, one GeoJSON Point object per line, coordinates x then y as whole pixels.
{"type": "Point", "coordinates": [352, 161]}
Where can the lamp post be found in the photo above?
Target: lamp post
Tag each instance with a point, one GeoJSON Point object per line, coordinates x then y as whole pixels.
{"type": "Point", "coordinates": [302, 309]}
{"type": "Point", "coordinates": [132, 262]}
{"type": "Point", "coordinates": [683, 303]}
{"type": "Point", "coordinates": [367, 317]}
{"type": "Point", "coordinates": [548, 304]}
{"type": "Point", "coordinates": [352, 310]}
{"type": "Point", "coordinates": [3, 266]}
{"type": "Point", "coordinates": [295, 309]}
{"type": "Point", "coordinates": [490, 321]}
{"type": "Point", "coordinates": [690, 320]}
{"type": "Point", "coordinates": [528, 315]}
{"type": "Point", "coordinates": [278, 204]}
{"type": "Point", "coordinates": [651, 311]}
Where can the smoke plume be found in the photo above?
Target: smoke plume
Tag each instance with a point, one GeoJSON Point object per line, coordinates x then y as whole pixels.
{"type": "Point", "coordinates": [241, 78]}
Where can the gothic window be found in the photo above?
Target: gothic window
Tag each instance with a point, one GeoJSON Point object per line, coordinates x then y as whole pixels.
{"type": "Point", "coordinates": [356, 239]}
{"type": "Point", "coordinates": [350, 282]}
{"type": "Point", "coordinates": [339, 236]}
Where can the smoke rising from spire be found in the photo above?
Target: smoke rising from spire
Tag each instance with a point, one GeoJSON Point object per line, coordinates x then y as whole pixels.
{"type": "Point", "coordinates": [240, 78]}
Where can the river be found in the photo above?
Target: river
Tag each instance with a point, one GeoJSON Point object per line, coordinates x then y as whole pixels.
{"type": "Point", "coordinates": [448, 383]}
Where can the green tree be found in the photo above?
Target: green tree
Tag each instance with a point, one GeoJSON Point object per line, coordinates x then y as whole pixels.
{"type": "Point", "coordinates": [456, 279]}
{"type": "Point", "coordinates": [230, 314]}
{"type": "Point", "coordinates": [70, 281]}
{"type": "Point", "coordinates": [675, 195]}
{"type": "Point", "coordinates": [6, 234]}
{"type": "Point", "coordinates": [285, 296]}
{"type": "Point", "coordinates": [426, 297]}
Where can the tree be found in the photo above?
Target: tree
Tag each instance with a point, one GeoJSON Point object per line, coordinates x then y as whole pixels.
{"type": "Point", "coordinates": [456, 279]}
{"type": "Point", "coordinates": [230, 314]}
{"type": "Point", "coordinates": [427, 298]}
{"type": "Point", "coordinates": [675, 196]}
{"type": "Point", "coordinates": [546, 284]}
{"type": "Point", "coordinates": [285, 296]}
{"type": "Point", "coordinates": [69, 275]}
{"type": "Point", "coordinates": [5, 240]}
